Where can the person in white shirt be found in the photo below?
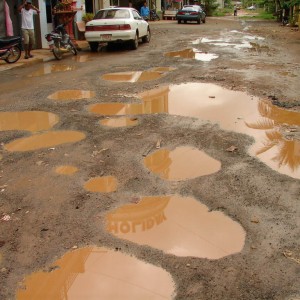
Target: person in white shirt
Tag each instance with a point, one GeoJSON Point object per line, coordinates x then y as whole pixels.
{"type": "Point", "coordinates": [27, 11]}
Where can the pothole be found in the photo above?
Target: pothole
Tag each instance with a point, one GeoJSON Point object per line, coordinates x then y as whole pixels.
{"type": "Point", "coordinates": [27, 120]}
{"type": "Point", "coordinates": [119, 122]}
{"type": "Point", "coordinates": [139, 76]}
{"type": "Point", "coordinates": [103, 184]}
{"type": "Point", "coordinates": [98, 273]}
{"type": "Point", "coordinates": [193, 54]}
{"type": "Point", "coordinates": [177, 225]}
{"type": "Point", "coordinates": [44, 140]}
{"type": "Point", "coordinates": [66, 95]}
{"type": "Point", "coordinates": [182, 163]}
{"type": "Point", "coordinates": [50, 68]}
{"type": "Point", "coordinates": [66, 170]}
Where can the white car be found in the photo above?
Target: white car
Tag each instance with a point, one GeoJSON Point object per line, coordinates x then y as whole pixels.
{"type": "Point", "coordinates": [115, 25]}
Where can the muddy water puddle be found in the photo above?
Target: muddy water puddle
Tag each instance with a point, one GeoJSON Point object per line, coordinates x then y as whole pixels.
{"type": "Point", "coordinates": [66, 95]}
{"type": "Point", "coordinates": [66, 170]}
{"type": "Point", "coordinates": [27, 120]}
{"type": "Point", "coordinates": [98, 273]}
{"type": "Point", "coordinates": [193, 54]}
{"type": "Point", "coordinates": [177, 225]}
{"type": "Point", "coordinates": [119, 122]}
{"type": "Point", "coordinates": [44, 140]}
{"type": "Point", "coordinates": [138, 76]}
{"type": "Point", "coordinates": [51, 68]}
{"type": "Point", "coordinates": [181, 163]}
{"type": "Point", "coordinates": [104, 184]}
{"type": "Point", "coordinates": [232, 110]}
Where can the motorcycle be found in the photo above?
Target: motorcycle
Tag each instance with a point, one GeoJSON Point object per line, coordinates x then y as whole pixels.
{"type": "Point", "coordinates": [10, 48]}
{"type": "Point", "coordinates": [153, 15]}
{"type": "Point", "coordinates": [59, 42]}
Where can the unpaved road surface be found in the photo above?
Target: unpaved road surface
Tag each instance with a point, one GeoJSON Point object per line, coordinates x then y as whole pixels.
{"type": "Point", "coordinates": [45, 214]}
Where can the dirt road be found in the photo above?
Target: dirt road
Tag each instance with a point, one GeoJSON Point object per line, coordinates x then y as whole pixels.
{"type": "Point", "coordinates": [222, 113]}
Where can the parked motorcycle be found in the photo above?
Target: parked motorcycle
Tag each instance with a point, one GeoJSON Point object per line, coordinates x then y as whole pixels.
{"type": "Point", "coordinates": [59, 42]}
{"type": "Point", "coordinates": [10, 48]}
{"type": "Point", "coordinates": [153, 15]}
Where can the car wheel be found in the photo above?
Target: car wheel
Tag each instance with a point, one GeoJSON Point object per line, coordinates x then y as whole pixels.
{"type": "Point", "coordinates": [146, 38]}
{"type": "Point", "coordinates": [135, 42]}
{"type": "Point", "coordinates": [203, 20]}
{"type": "Point", "coordinates": [185, 22]}
{"type": "Point", "coordinates": [94, 46]}
{"type": "Point", "coordinates": [179, 21]}
{"type": "Point", "coordinates": [199, 21]}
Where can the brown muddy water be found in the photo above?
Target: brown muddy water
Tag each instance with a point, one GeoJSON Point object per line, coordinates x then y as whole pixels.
{"type": "Point", "coordinates": [98, 273]}
{"type": "Point", "coordinates": [181, 163]}
{"type": "Point", "coordinates": [177, 225]}
{"type": "Point", "coordinates": [232, 110]}
{"type": "Point", "coordinates": [119, 122]}
{"type": "Point", "coordinates": [27, 120]}
{"type": "Point", "coordinates": [66, 170]}
{"type": "Point", "coordinates": [104, 184]}
{"type": "Point", "coordinates": [51, 68]}
{"type": "Point", "coordinates": [193, 54]}
{"type": "Point", "coordinates": [139, 76]}
{"type": "Point", "coordinates": [66, 95]}
{"type": "Point", "coordinates": [44, 140]}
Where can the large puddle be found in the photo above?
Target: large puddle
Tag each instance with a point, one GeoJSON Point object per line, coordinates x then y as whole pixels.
{"type": "Point", "coordinates": [66, 170]}
{"type": "Point", "coordinates": [181, 163]}
{"type": "Point", "coordinates": [27, 120]}
{"type": "Point", "coordinates": [232, 110]}
{"type": "Point", "coordinates": [44, 140]}
{"type": "Point", "coordinates": [104, 184]}
{"type": "Point", "coordinates": [98, 273]}
{"type": "Point", "coordinates": [50, 68]}
{"type": "Point", "coordinates": [194, 54]}
{"type": "Point", "coordinates": [66, 95]}
{"type": "Point", "coordinates": [119, 122]}
{"type": "Point", "coordinates": [177, 225]}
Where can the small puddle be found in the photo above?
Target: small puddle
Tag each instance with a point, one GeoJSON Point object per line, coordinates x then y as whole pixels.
{"type": "Point", "coordinates": [66, 95]}
{"type": "Point", "coordinates": [82, 58]}
{"type": "Point", "coordinates": [177, 225]}
{"type": "Point", "coordinates": [27, 120]}
{"type": "Point", "coordinates": [98, 273]}
{"type": "Point", "coordinates": [44, 140]}
{"type": "Point", "coordinates": [232, 110]}
{"type": "Point", "coordinates": [119, 122]}
{"type": "Point", "coordinates": [163, 69]}
{"type": "Point", "coordinates": [193, 53]}
{"type": "Point", "coordinates": [66, 170]}
{"type": "Point", "coordinates": [182, 163]}
{"type": "Point", "coordinates": [104, 184]}
{"type": "Point", "coordinates": [235, 42]}
{"type": "Point", "coordinates": [138, 76]}
{"type": "Point", "coordinates": [50, 68]}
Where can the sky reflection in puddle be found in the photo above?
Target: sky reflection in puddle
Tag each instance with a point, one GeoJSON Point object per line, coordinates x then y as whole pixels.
{"type": "Point", "coordinates": [232, 110]}
{"type": "Point", "coordinates": [193, 54]}
{"type": "Point", "coordinates": [177, 225]}
{"type": "Point", "coordinates": [98, 273]}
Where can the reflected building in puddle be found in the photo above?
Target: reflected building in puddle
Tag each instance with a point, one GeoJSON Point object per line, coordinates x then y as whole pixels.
{"type": "Point", "coordinates": [98, 273]}
{"type": "Point", "coordinates": [65, 95]}
{"type": "Point", "coordinates": [27, 120]}
{"type": "Point", "coordinates": [177, 225]}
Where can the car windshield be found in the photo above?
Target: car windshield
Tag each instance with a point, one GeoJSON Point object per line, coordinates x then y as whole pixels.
{"type": "Point", "coordinates": [190, 9]}
{"type": "Point", "coordinates": [112, 14]}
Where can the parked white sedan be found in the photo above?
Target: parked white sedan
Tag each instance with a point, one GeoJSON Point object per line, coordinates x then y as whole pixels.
{"type": "Point", "coordinates": [115, 25]}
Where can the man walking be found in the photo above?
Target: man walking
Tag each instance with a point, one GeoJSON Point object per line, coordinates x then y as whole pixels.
{"type": "Point", "coordinates": [145, 12]}
{"type": "Point", "coordinates": [27, 11]}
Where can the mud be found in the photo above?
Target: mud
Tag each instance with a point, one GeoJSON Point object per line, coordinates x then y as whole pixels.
{"type": "Point", "coordinates": [44, 215]}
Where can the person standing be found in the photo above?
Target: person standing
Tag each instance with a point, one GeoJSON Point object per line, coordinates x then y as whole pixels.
{"type": "Point", "coordinates": [235, 10]}
{"type": "Point", "coordinates": [145, 12]}
{"type": "Point", "coordinates": [27, 11]}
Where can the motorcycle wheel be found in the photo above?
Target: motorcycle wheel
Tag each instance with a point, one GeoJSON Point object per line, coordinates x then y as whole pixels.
{"type": "Point", "coordinates": [73, 48]}
{"type": "Point", "coordinates": [14, 55]}
{"type": "Point", "coordinates": [57, 53]}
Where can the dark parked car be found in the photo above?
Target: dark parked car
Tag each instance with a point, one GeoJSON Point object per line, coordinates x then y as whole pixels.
{"type": "Point", "coordinates": [191, 13]}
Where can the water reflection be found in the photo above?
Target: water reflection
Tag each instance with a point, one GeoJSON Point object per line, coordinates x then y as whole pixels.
{"type": "Point", "coordinates": [104, 184]}
{"type": "Point", "coordinates": [193, 54]}
{"type": "Point", "coordinates": [27, 120]}
{"type": "Point", "coordinates": [98, 273]}
{"type": "Point", "coordinates": [71, 95]}
{"type": "Point", "coordinates": [138, 76]}
{"type": "Point", "coordinates": [177, 225]}
{"type": "Point", "coordinates": [182, 163]}
{"type": "Point", "coordinates": [119, 122]}
{"type": "Point", "coordinates": [51, 68]}
{"type": "Point", "coordinates": [232, 110]}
